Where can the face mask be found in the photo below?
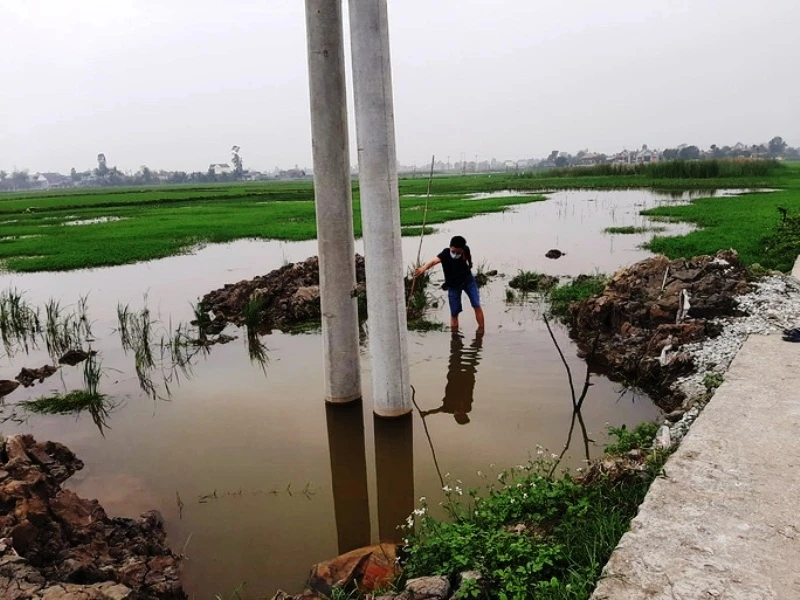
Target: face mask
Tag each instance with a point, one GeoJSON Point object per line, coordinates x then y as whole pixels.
{"type": "Point", "coordinates": [454, 255]}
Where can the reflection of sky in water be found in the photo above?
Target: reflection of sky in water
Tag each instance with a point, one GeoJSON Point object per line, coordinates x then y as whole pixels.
{"type": "Point", "coordinates": [260, 439]}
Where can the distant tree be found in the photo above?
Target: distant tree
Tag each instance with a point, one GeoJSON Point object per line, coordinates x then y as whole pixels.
{"type": "Point", "coordinates": [102, 167]}
{"type": "Point", "coordinates": [689, 153]}
{"type": "Point", "coordinates": [792, 153]}
{"type": "Point", "coordinates": [236, 159]}
{"type": "Point", "coordinates": [74, 174]}
{"type": "Point", "coordinates": [20, 179]}
{"type": "Point", "coordinates": [670, 154]}
{"type": "Point", "coordinates": [777, 146]}
{"type": "Point", "coordinates": [3, 175]}
{"type": "Point", "coordinates": [147, 175]}
{"type": "Point", "coordinates": [553, 156]}
{"type": "Point", "coordinates": [562, 161]}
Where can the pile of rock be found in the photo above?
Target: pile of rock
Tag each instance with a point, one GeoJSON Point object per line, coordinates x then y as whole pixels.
{"type": "Point", "coordinates": [634, 332]}
{"type": "Point", "coordinates": [286, 297]}
{"type": "Point", "coordinates": [55, 544]}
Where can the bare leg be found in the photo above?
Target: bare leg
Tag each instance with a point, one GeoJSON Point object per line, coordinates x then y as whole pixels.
{"type": "Point", "coordinates": [479, 318]}
{"type": "Point", "coordinates": [454, 323]}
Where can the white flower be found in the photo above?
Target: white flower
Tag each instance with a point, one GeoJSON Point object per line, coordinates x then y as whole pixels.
{"type": "Point", "coordinates": [447, 489]}
{"type": "Point", "coordinates": [480, 474]}
{"type": "Point", "coordinates": [524, 495]}
{"type": "Point", "coordinates": [512, 501]}
{"type": "Point", "coordinates": [422, 499]}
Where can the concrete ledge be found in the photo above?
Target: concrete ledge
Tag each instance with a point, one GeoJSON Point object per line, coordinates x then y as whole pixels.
{"type": "Point", "coordinates": [725, 520]}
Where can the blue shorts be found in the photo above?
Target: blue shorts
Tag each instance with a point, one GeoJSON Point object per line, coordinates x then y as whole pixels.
{"type": "Point", "coordinates": [454, 296]}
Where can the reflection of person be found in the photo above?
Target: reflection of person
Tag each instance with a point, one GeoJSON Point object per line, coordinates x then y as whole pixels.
{"type": "Point", "coordinates": [456, 263]}
{"type": "Point", "coordinates": [458, 393]}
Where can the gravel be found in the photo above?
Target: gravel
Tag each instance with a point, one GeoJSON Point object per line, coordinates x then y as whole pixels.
{"type": "Point", "coordinates": [772, 306]}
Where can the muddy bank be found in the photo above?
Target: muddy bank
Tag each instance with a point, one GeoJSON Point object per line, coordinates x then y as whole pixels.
{"type": "Point", "coordinates": [282, 299]}
{"type": "Point", "coordinates": [288, 298]}
{"type": "Point", "coordinates": [636, 325]}
{"type": "Point", "coordinates": [55, 544]}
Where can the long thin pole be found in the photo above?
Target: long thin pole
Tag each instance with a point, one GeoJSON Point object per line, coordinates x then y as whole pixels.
{"type": "Point", "coordinates": [333, 198]}
{"type": "Point", "coordinates": [380, 207]}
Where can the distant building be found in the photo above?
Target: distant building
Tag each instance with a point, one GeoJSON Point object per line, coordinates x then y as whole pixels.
{"type": "Point", "coordinates": [220, 168]}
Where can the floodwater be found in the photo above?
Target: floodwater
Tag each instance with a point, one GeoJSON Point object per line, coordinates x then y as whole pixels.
{"type": "Point", "coordinates": [256, 477]}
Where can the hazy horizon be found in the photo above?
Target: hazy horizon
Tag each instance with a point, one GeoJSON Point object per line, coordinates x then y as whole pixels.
{"type": "Point", "coordinates": [174, 87]}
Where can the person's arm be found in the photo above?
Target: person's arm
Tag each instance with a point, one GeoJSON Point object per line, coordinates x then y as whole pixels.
{"type": "Point", "coordinates": [431, 263]}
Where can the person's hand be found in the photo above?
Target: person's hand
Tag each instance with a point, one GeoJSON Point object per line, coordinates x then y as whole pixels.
{"type": "Point", "coordinates": [419, 271]}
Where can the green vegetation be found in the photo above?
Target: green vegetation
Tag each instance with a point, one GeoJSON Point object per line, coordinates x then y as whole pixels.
{"type": "Point", "coordinates": [83, 229]}
{"type": "Point", "coordinates": [89, 399]}
{"type": "Point", "coordinates": [677, 169]}
{"type": "Point", "coordinates": [752, 223]}
{"type": "Point", "coordinates": [91, 228]}
{"type": "Point", "coordinates": [630, 230]}
{"type": "Point", "coordinates": [531, 281]}
{"type": "Point", "coordinates": [583, 286]}
{"type": "Point", "coordinates": [631, 439]}
{"type": "Point", "coordinates": [533, 535]}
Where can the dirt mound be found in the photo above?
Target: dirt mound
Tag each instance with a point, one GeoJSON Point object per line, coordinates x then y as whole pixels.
{"type": "Point", "coordinates": [284, 298]}
{"type": "Point", "coordinates": [635, 321]}
{"type": "Point", "coordinates": [50, 537]}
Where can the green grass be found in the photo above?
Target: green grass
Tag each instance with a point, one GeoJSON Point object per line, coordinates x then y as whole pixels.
{"type": "Point", "coordinates": [163, 221]}
{"type": "Point", "coordinates": [631, 230]}
{"type": "Point", "coordinates": [583, 286]}
{"type": "Point", "coordinates": [743, 222]}
{"type": "Point", "coordinates": [532, 535]}
{"type": "Point", "coordinates": [158, 222]}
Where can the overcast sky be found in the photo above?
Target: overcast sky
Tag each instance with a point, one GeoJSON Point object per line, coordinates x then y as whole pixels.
{"type": "Point", "coordinates": [173, 84]}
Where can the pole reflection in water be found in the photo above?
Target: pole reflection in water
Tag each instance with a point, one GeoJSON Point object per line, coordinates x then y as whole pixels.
{"type": "Point", "coordinates": [349, 474]}
{"type": "Point", "coordinates": [394, 463]}
{"type": "Point", "coordinates": [462, 369]}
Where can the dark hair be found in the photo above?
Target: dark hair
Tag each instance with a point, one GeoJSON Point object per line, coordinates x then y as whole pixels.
{"type": "Point", "coordinates": [458, 242]}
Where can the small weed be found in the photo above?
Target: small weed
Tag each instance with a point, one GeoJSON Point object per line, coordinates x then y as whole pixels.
{"type": "Point", "coordinates": [510, 295]}
{"type": "Point", "coordinates": [583, 286]}
{"type": "Point", "coordinates": [236, 594]}
{"type": "Point", "coordinates": [639, 438]}
{"type": "Point", "coordinates": [712, 380]}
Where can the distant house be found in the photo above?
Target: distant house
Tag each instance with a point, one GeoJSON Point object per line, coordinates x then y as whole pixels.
{"type": "Point", "coordinates": [624, 158]}
{"type": "Point", "coordinates": [220, 168]}
{"type": "Point", "coordinates": [57, 180]}
{"type": "Point", "coordinates": [647, 156]}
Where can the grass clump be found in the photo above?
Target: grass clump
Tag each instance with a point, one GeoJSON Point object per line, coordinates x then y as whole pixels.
{"type": "Point", "coordinates": [532, 535]}
{"type": "Point", "coordinates": [531, 281]}
{"type": "Point", "coordinates": [677, 169]}
{"type": "Point", "coordinates": [89, 399]}
{"type": "Point", "coordinates": [639, 438]}
{"type": "Point", "coordinates": [631, 230]}
{"type": "Point", "coordinates": [583, 286]}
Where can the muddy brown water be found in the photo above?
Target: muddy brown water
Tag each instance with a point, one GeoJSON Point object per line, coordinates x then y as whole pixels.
{"type": "Point", "coordinates": [256, 477]}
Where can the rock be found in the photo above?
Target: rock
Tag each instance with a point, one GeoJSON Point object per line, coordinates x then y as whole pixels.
{"type": "Point", "coordinates": [28, 377]}
{"type": "Point", "coordinates": [58, 543]}
{"type": "Point", "coordinates": [370, 568]}
{"type": "Point", "coordinates": [7, 386]}
{"type": "Point", "coordinates": [674, 416]}
{"type": "Point", "coordinates": [428, 588]}
{"type": "Point", "coordinates": [73, 357]}
{"type": "Point", "coordinates": [554, 254]}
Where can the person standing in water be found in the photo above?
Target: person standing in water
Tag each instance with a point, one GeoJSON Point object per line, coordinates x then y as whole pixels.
{"type": "Point", "coordinates": [456, 263]}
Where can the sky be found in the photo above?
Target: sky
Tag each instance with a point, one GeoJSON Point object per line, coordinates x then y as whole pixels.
{"type": "Point", "coordinates": [173, 85]}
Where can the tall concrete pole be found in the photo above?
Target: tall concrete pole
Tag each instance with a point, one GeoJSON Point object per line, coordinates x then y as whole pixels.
{"type": "Point", "coordinates": [380, 206]}
{"type": "Point", "coordinates": [333, 198]}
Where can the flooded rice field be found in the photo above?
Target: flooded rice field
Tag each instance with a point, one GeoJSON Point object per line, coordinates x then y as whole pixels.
{"type": "Point", "coordinates": [256, 477]}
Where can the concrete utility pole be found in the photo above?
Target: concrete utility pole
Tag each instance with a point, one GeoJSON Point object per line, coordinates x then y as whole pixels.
{"type": "Point", "coordinates": [333, 198]}
{"type": "Point", "coordinates": [380, 206]}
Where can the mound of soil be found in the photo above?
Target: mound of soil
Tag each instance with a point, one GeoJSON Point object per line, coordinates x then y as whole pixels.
{"type": "Point", "coordinates": [56, 544]}
{"type": "Point", "coordinates": [287, 297]}
{"type": "Point", "coordinates": [636, 317]}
